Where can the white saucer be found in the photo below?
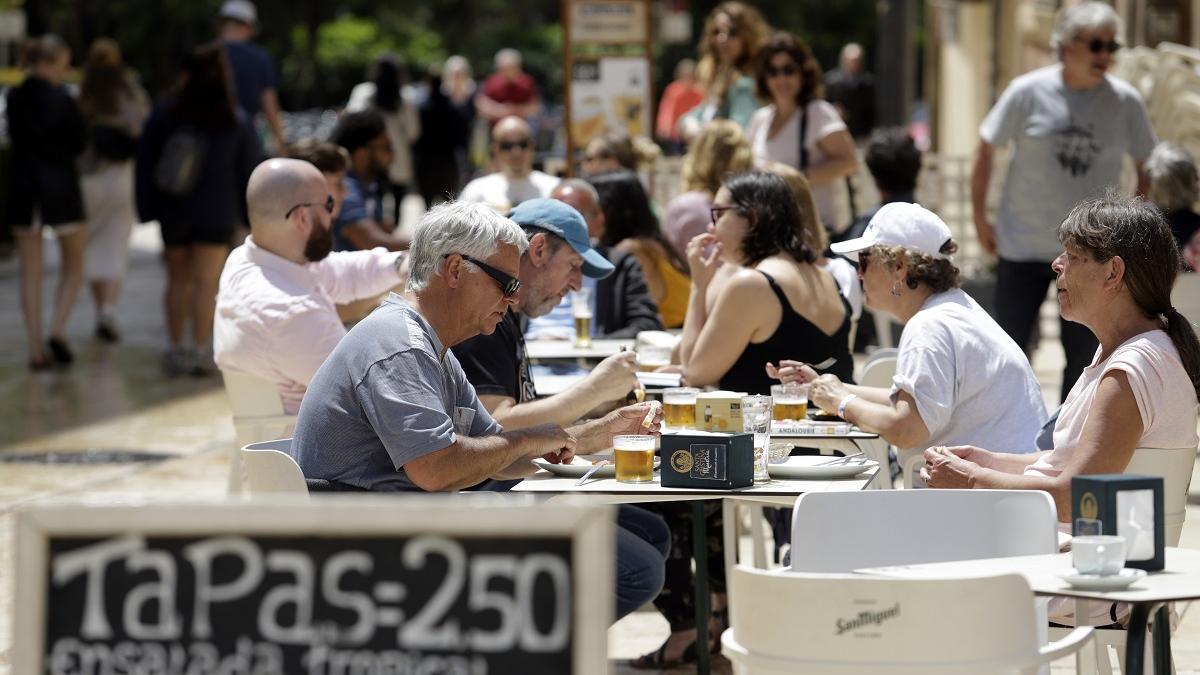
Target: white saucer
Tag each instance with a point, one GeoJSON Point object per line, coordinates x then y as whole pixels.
{"type": "Point", "coordinates": [1096, 582]}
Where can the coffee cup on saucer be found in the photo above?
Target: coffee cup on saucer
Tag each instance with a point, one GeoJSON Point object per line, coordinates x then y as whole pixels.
{"type": "Point", "coordinates": [1101, 555]}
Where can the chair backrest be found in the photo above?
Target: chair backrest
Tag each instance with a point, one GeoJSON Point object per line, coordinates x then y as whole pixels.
{"type": "Point", "coordinates": [878, 372]}
{"type": "Point", "coordinates": [1174, 466]}
{"type": "Point", "coordinates": [845, 531]}
{"type": "Point", "coordinates": [269, 468]}
{"type": "Point", "coordinates": [799, 623]}
{"type": "Point", "coordinates": [257, 416]}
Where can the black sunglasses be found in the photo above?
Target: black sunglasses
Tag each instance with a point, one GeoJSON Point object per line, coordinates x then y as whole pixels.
{"type": "Point", "coordinates": [1096, 45]}
{"type": "Point", "coordinates": [328, 207]}
{"type": "Point", "coordinates": [509, 145]}
{"type": "Point", "coordinates": [509, 285]}
{"type": "Point", "coordinates": [716, 211]}
{"type": "Point", "coordinates": [782, 71]}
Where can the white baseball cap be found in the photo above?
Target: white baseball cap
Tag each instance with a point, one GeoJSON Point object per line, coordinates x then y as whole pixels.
{"type": "Point", "coordinates": [239, 10]}
{"type": "Point", "coordinates": [901, 224]}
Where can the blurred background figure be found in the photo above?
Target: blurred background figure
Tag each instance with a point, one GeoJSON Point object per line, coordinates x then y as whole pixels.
{"type": "Point", "coordinates": [615, 150]}
{"type": "Point", "coordinates": [733, 34]}
{"type": "Point", "coordinates": [680, 96]}
{"type": "Point", "coordinates": [508, 91]}
{"type": "Point", "coordinates": [515, 179]}
{"type": "Point", "coordinates": [194, 159]}
{"type": "Point", "coordinates": [894, 161]}
{"type": "Point", "coordinates": [720, 149]}
{"type": "Point", "coordinates": [255, 78]}
{"type": "Point", "coordinates": [1171, 183]}
{"type": "Point", "coordinates": [798, 127]}
{"type": "Point", "coordinates": [47, 134]}
{"type": "Point", "coordinates": [447, 116]}
{"type": "Point", "coordinates": [361, 223]}
{"type": "Point", "coordinates": [383, 95]}
{"type": "Point", "coordinates": [331, 160]}
{"type": "Point", "coordinates": [114, 107]}
{"type": "Point", "coordinates": [851, 89]}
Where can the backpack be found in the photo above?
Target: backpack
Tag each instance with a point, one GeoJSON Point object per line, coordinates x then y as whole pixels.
{"type": "Point", "coordinates": [179, 165]}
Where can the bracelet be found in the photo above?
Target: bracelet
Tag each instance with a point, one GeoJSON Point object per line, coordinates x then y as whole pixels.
{"type": "Point", "coordinates": [841, 410]}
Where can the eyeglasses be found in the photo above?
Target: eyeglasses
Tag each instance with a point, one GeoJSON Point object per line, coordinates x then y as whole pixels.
{"type": "Point", "coordinates": [729, 33]}
{"type": "Point", "coordinates": [510, 145]}
{"type": "Point", "coordinates": [1096, 45]}
{"type": "Point", "coordinates": [509, 285]}
{"type": "Point", "coordinates": [864, 256]}
{"type": "Point", "coordinates": [716, 211]}
{"type": "Point", "coordinates": [328, 207]}
{"type": "Point", "coordinates": [782, 71]}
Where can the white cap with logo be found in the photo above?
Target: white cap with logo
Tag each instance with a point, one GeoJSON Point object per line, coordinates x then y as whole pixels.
{"type": "Point", "coordinates": [901, 224]}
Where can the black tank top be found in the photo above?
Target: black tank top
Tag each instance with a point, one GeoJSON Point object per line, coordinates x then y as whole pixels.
{"type": "Point", "coordinates": [796, 338]}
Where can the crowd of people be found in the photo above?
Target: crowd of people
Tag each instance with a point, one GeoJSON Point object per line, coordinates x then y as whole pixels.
{"type": "Point", "coordinates": [270, 259]}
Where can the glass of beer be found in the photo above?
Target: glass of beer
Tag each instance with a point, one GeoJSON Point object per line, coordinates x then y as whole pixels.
{"type": "Point", "coordinates": [581, 309]}
{"type": "Point", "coordinates": [756, 419]}
{"type": "Point", "coordinates": [635, 458]}
{"type": "Point", "coordinates": [790, 401]}
{"type": "Point", "coordinates": [651, 358]}
{"type": "Point", "coordinates": [679, 407]}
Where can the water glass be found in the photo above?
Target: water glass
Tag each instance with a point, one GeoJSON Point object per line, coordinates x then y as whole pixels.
{"type": "Point", "coordinates": [756, 419]}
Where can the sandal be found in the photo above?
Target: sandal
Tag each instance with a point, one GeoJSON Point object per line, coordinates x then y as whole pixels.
{"type": "Point", "coordinates": [658, 659]}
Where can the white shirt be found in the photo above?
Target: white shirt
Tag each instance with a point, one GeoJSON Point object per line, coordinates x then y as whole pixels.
{"type": "Point", "coordinates": [822, 120]}
{"type": "Point", "coordinates": [502, 194]}
{"type": "Point", "coordinates": [846, 276]}
{"type": "Point", "coordinates": [276, 319]}
{"type": "Point", "coordinates": [971, 382]}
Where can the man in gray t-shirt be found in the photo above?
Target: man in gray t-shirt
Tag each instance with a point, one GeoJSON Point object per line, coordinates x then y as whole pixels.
{"type": "Point", "coordinates": [1071, 126]}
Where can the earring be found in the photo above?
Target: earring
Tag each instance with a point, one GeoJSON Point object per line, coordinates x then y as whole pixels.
{"type": "Point", "coordinates": [894, 291]}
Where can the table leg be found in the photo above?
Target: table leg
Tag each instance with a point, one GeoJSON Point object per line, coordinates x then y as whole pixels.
{"type": "Point", "coordinates": [700, 555]}
{"type": "Point", "coordinates": [1162, 640]}
{"type": "Point", "coordinates": [1135, 638]}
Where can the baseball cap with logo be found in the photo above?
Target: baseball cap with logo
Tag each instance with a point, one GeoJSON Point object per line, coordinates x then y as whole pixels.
{"type": "Point", "coordinates": [564, 221]}
{"type": "Point", "coordinates": [239, 10]}
{"type": "Point", "coordinates": [901, 224]}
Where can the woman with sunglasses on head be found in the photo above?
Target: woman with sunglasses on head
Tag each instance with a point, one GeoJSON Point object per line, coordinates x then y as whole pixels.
{"type": "Point", "coordinates": [798, 127]}
{"type": "Point", "coordinates": [733, 33]}
{"type": "Point", "coordinates": [1071, 125]}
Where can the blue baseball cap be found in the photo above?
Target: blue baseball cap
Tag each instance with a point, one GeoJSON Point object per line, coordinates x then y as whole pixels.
{"type": "Point", "coordinates": [563, 220]}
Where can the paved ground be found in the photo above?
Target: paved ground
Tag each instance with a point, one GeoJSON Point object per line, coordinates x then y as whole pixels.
{"type": "Point", "coordinates": [115, 398]}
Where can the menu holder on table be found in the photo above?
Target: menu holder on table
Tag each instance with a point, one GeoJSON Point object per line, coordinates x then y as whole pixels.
{"type": "Point", "coordinates": [811, 427]}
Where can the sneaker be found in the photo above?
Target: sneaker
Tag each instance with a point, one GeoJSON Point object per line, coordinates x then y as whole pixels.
{"type": "Point", "coordinates": [106, 330]}
{"type": "Point", "coordinates": [176, 361]}
{"type": "Point", "coordinates": [59, 351]}
{"type": "Point", "coordinates": [202, 364]}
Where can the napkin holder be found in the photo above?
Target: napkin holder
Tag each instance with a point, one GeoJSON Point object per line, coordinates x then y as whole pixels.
{"type": "Point", "coordinates": [1127, 505]}
{"type": "Point", "coordinates": [718, 461]}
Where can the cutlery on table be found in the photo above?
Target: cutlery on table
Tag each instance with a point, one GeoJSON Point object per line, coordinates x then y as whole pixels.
{"type": "Point", "coordinates": [595, 467]}
{"type": "Point", "coordinates": [841, 460]}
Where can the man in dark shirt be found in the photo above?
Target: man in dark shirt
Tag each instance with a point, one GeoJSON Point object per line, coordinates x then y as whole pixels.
{"type": "Point", "coordinates": [559, 255]}
{"type": "Point", "coordinates": [254, 75]}
{"type": "Point", "coordinates": [894, 162]}
{"type": "Point", "coordinates": [852, 91]}
{"type": "Point", "coordinates": [360, 225]}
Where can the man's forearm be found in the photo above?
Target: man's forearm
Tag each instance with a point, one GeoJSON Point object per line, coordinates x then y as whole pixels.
{"type": "Point", "coordinates": [468, 461]}
{"type": "Point", "coordinates": [561, 409]}
{"type": "Point", "coordinates": [593, 436]}
{"type": "Point", "coordinates": [981, 176]}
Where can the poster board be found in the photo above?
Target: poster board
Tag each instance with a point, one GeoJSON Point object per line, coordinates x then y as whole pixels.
{"type": "Point", "coordinates": [609, 85]}
{"type": "Point", "coordinates": [389, 584]}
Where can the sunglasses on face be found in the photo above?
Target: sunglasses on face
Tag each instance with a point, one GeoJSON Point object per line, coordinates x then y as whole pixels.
{"type": "Point", "coordinates": [782, 71]}
{"type": "Point", "coordinates": [509, 285]}
{"type": "Point", "coordinates": [1096, 45]}
{"type": "Point", "coordinates": [510, 145]}
{"type": "Point", "coordinates": [328, 207]}
{"type": "Point", "coordinates": [716, 211]}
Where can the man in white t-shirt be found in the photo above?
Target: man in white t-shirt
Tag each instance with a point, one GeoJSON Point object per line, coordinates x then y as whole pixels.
{"type": "Point", "coordinates": [276, 316]}
{"type": "Point", "coordinates": [516, 180]}
{"type": "Point", "coordinates": [1071, 126]}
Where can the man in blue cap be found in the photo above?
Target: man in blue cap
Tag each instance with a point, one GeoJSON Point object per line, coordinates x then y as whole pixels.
{"type": "Point", "coordinates": [559, 256]}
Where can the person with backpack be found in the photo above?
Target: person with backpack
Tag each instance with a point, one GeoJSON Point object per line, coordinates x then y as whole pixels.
{"type": "Point", "coordinates": [193, 164]}
{"type": "Point", "coordinates": [114, 108]}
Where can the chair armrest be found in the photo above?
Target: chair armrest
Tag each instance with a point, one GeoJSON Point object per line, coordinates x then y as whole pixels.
{"type": "Point", "coordinates": [1066, 646]}
{"type": "Point", "coordinates": [907, 466]}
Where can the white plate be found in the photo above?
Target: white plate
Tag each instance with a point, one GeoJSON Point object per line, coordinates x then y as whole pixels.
{"type": "Point", "coordinates": [1095, 582]}
{"type": "Point", "coordinates": [810, 466]}
{"type": "Point", "coordinates": [580, 467]}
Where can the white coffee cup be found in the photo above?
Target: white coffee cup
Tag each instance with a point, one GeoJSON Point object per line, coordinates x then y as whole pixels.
{"type": "Point", "coordinates": [1103, 555]}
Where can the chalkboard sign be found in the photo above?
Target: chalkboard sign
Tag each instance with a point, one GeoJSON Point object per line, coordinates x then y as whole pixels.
{"type": "Point", "coordinates": [361, 584]}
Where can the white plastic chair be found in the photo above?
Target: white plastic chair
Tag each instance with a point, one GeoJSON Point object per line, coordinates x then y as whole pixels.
{"type": "Point", "coordinates": [268, 467]}
{"type": "Point", "coordinates": [257, 416]}
{"type": "Point", "coordinates": [799, 623]}
{"type": "Point", "coordinates": [845, 531]}
{"type": "Point", "coordinates": [878, 371]}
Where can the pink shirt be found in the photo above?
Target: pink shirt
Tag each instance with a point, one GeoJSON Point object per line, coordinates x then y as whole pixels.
{"type": "Point", "coordinates": [276, 319]}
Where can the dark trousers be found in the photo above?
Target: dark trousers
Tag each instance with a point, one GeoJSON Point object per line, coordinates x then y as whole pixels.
{"type": "Point", "coordinates": [677, 600]}
{"type": "Point", "coordinates": [1020, 290]}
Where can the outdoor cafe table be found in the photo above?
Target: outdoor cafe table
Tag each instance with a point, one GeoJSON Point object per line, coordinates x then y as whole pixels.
{"type": "Point", "coordinates": [777, 492]}
{"type": "Point", "coordinates": [1179, 580]}
{"type": "Point", "coordinates": [565, 350]}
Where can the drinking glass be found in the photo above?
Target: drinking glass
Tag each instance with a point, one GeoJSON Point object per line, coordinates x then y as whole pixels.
{"type": "Point", "coordinates": [679, 407]}
{"type": "Point", "coordinates": [790, 401]}
{"type": "Point", "coordinates": [650, 358]}
{"type": "Point", "coordinates": [581, 310]}
{"type": "Point", "coordinates": [635, 458]}
{"type": "Point", "coordinates": [756, 419]}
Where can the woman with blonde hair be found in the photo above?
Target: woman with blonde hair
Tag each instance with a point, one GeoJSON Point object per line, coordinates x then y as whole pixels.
{"type": "Point", "coordinates": [114, 107]}
{"type": "Point", "coordinates": [733, 34]}
{"type": "Point", "coordinates": [719, 150]}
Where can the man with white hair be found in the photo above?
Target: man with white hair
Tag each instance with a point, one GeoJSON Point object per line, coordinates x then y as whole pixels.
{"type": "Point", "coordinates": [1071, 125]}
{"type": "Point", "coordinates": [515, 179]}
{"type": "Point", "coordinates": [276, 316]}
{"type": "Point", "coordinates": [508, 91]}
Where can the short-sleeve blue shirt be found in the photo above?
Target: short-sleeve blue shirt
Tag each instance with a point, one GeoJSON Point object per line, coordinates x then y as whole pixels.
{"type": "Point", "coordinates": [384, 398]}
{"type": "Point", "coordinates": [253, 72]}
{"type": "Point", "coordinates": [362, 202]}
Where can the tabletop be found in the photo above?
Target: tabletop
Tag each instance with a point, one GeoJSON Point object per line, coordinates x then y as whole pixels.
{"type": "Point", "coordinates": [547, 483]}
{"type": "Point", "coordinates": [1178, 580]}
{"type": "Point", "coordinates": [566, 349]}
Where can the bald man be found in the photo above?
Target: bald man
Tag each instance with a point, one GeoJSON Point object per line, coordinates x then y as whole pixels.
{"type": "Point", "coordinates": [276, 316]}
{"type": "Point", "coordinates": [515, 181]}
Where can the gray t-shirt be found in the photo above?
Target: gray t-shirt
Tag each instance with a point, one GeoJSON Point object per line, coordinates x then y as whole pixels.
{"type": "Point", "coordinates": [1069, 146]}
{"type": "Point", "coordinates": [382, 399]}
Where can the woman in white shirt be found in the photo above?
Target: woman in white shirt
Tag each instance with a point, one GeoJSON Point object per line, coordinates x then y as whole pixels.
{"type": "Point", "coordinates": [790, 78]}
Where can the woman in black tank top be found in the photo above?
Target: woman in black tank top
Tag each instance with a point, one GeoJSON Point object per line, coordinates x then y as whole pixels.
{"type": "Point", "coordinates": [756, 225]}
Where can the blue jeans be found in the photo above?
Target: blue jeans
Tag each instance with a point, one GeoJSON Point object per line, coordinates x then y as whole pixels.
{"type": "Point", "coordinates": [643, 542]}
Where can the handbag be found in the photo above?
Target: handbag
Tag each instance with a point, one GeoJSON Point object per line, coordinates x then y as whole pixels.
{"type": "Point", "coordinates": [112, 143]}
{"type": "Point", "coordinates": [178, 167]}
